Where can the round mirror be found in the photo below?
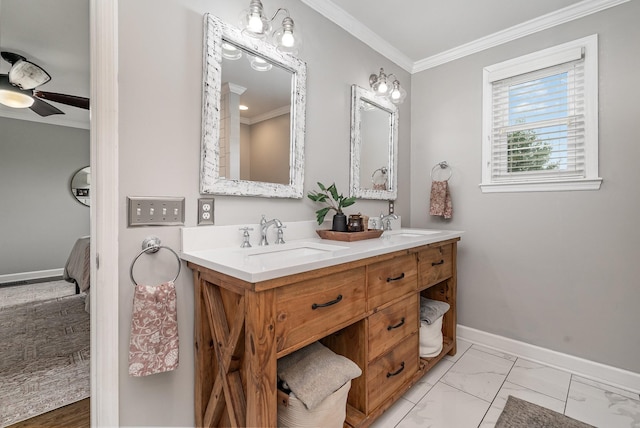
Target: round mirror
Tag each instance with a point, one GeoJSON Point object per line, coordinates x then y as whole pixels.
{"type": "Point", "coordinates": [80, 185]}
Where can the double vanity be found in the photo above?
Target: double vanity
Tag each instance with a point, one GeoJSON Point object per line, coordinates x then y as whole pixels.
{"type": "Point", "coordinates": [360, 299]}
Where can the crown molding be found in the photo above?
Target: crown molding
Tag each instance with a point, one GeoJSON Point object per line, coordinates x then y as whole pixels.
{"type": "Point", "coordinates": [561, 16]}
{"type": "Point", "coordinates": [360, 31]}
{"type": "Point", "coordinates": [334, 13]}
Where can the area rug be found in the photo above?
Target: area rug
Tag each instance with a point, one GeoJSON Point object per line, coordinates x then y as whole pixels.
{"type": "Point", "coordinates": [19, 294]}
{"type": "Point", "coordinates": [44, 357]}
{"type": "Point", "coordinates": [519, 413]}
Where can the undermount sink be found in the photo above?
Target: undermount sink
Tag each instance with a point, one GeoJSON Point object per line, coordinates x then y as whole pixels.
{"type": "Point", "coordinates": [407, 234]}
{"type": "Point", "coordinates": [274, 256]}
{"type": "Point", "coordinates": [281, 253]}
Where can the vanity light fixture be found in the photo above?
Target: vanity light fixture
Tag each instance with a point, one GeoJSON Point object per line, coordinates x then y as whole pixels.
{"type": "Point", "coordinates": [254, 23]}
{"type": "Point", "coordinates": [230, 51]}
{"type": "Point", "coordinates": [387, 86]}
{"type": "Point", "coordinates": [259, 64]}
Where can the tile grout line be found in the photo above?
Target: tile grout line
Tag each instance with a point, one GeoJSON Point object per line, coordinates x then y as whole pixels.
{"type": "Point", "coordinates": [432, 386]}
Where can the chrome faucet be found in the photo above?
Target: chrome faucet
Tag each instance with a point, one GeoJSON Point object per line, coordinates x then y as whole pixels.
{"type": "Point", "coordinates": [264, 226]}
{"type": "Point", "coordinates": [385, 221]}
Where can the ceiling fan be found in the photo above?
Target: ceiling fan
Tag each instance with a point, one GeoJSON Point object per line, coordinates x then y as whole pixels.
{"type": "Point", "coordinates": [18, 88]}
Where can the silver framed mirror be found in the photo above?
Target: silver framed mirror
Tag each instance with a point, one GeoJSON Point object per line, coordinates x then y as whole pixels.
{"type": "Point", "coordinates": [80, 185]}
{"type": "Point", "coordinates": [259, 151]}
{"type": "Point", "coordinates": [374, 146]}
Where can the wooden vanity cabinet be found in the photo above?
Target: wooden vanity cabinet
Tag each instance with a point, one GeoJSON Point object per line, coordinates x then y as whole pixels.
{"type": "Point", "coordinates": [366, 310]}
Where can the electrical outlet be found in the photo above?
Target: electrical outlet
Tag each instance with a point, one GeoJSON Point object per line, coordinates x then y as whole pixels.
{"type": "Point", "coordinates": [155, 211]}
{"type": "Point", "coordinates": [205, 211]}
{"type": "Point", "coordinates": [391, 207]}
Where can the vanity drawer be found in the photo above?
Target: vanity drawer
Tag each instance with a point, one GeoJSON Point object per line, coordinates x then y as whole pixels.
{"type": "Point", "coordinates": [309, 310]}
{"type": "Point", "coordinates": [391, 279]}
{"type": "Point", "coordinates": [435, 265]}
{"type": "Point", "coordinates": [392, 370]}
{"type": "Point", "coordinates": [389, 326]}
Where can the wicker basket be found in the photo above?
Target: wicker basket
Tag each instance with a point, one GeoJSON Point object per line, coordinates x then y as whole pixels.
{"type": "Point", "coordinates": [331, 413]}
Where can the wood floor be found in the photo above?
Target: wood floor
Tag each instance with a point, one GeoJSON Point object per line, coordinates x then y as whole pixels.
{"type": "Point", "coordinates": [76, 415]}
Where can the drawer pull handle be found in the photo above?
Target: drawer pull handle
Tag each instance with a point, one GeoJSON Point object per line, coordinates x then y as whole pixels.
{"type": "Point", "coordinates": [400, 324]}
{"type": "Point", "coordinates": [441, 262]}
{"type": "Point", "coordinates": [397, 278]}
{"type": "Point", "coordinates": [397, 372]}
{"type": "Point", "coordinates": [324, 305]}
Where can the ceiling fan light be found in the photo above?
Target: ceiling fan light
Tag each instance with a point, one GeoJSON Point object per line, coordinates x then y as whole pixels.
{"type": "Point", "coordinates": [27, 75]}
{"type": "Point", "coordinates": [15, 99]}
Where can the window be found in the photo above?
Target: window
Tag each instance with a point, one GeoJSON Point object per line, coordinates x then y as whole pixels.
{"type": "Point", "coordinates": [540, 121]}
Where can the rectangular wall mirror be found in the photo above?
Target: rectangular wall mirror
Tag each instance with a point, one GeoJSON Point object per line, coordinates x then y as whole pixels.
{"type": "Point", "coordinates": [374, 146]}
{"type": "Point", "coordinates": [253, 118]}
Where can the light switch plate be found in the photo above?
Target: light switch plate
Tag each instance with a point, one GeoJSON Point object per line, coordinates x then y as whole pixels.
{"type": "Point", "coordinates": [205, 211]}
{"type": "Point", "coordinates": [155, 211]}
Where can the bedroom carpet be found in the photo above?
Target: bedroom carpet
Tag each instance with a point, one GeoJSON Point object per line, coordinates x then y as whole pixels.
{"type": "Point", "coordinates": [44, 357]}
{"type": "Point", "coordinates": [18, 294]}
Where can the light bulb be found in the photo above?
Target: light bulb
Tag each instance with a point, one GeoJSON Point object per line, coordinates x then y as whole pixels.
{"type": "Point", "coordinates": [255, 24]}
{"type": "Point", "coordinates": [287, 39]}
{"type": "Point", "coordinates": [398, 94]}
{"type": "Point", "coordinates": [382, 87]}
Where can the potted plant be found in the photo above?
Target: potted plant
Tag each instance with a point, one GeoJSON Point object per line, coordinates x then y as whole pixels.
{"type": "Point", "coordinates": [334, 201]}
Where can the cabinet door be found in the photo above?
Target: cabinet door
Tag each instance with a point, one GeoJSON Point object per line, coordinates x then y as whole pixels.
{"type": "Point", "coordinates": [391, 371]}
{"type": "Point", "coordinates": [391, 279]}
{"type": "Point", "coordinates": [391, 325]}
{"type": "Point", "coordinates": [435, 264]}
{"type": "Point", "coordinates": [309, 310]}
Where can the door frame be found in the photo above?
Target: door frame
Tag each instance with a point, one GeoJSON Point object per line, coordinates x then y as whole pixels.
{"type": "Point", "coordinates": [104, 213]}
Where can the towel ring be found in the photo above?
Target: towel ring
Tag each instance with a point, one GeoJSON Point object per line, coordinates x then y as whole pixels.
{"type": "Point", "coordinates": [149, 246]}
{"type": "Point", "coordinates": [377, 185]}
{"type": "Point", "coordinates": [442, 165]}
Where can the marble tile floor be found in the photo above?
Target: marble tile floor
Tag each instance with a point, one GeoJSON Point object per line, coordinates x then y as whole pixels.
{"type": "Point", "coordinates": [471, 388]}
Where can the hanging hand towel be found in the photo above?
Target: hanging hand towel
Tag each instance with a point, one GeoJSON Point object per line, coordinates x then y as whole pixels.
{"type": "Point", "coordinates": [440, 200]}
{"type": "Point", "coordinates": [153, 346]}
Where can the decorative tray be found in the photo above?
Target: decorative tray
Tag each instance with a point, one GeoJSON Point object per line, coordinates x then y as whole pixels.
{"type": "Point", "coordinates": [349, 236]}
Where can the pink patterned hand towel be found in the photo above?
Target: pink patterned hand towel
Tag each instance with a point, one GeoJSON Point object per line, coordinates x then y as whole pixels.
{"type": "Point", "coordinates": [153, 345]}
{"type": "Point", "coordinates": [440, 200]}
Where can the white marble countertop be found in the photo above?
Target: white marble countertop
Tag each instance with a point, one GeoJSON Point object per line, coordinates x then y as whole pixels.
{"type": "Point", "coordinates": [302, 251]}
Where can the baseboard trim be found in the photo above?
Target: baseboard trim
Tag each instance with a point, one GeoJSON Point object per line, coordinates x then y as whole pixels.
{"type": "Point", "coordinates": [613, 376]}
{"type": "Point", "coordinates": [30, 276]}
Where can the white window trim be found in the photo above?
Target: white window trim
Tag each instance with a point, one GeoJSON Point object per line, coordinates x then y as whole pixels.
{"type": "Point", "coordinates": [528, 63]}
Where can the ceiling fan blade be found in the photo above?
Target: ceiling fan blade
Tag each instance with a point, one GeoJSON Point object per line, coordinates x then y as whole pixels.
{"type": "Point", "coordinates": [11, 57]}
{"type": "Point", "coordinates": [70, 100]}
{"type": "Point", "coordinates": [44, 109]}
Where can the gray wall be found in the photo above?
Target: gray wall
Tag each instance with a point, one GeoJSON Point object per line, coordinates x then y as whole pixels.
{"type": "Point", "coordinates": [41, 219]}
{"type": "Point", "coordinates": [555, 269]}
{"type": "Point", "coordinates": [160, 74]}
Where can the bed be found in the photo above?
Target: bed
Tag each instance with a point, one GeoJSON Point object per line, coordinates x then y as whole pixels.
{"type": "Point", "coordinates": [78, 267]}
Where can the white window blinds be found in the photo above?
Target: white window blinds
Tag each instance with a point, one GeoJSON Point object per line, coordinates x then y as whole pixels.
{"type": "Point", "coordinates": [540, 120]}
{"type": "Point", "coordinates": [538, 125]}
